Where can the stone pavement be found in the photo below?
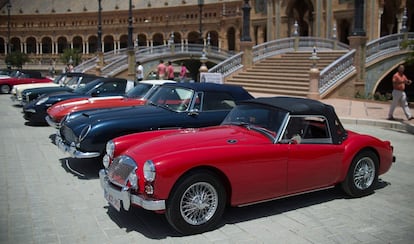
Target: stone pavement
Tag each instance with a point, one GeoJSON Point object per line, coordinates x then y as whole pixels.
{"type": "Point", "coordinates": [46, 197]}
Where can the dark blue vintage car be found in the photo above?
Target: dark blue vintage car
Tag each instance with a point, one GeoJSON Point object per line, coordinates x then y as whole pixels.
{"type": "Point", "coordinates": [36, 110]}
{"type": "Point", "coordinates": [185, 105]}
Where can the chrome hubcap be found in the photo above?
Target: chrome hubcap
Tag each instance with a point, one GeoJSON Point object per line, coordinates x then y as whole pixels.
{"type": "Point", "coordinates": [199, 203]}
{"type": "Point", "coordinates": [364, 173]}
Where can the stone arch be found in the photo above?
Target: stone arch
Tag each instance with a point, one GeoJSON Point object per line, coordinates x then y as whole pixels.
{"type": "Point", "coordinates": [177, 37]}
{"type": "Point", "coordinates": [193, 37]}
{"type": "Point", "coordinates": [31, 45]}
{"type": "Point", "coordinates": [142, 40]}
{"type": "Point", "coordinates": [62, 44]}
{"type": "Point", "coordinates": [93, 44]}
{"type": "Point", "coordinates": [46, 44]}
{"type": "Point", "coordinates": [344, 29]}
{"type": "Point", "coordinates": [2, 45]}
{"type": "Point", "coordinates": [77, 42]}
{"type": "Point", "coordinates": [389, 21]}
{"type": "Point", "coordinates": [300, 11]}
{"type": "Point", "coordinates": [231, 39]}
{"type": "Point", "coordinates": [15, 44]}
{"type": "Point", "coordinates": [108, 41]}
{"type": "Point", "coordinates": [214, 38]}
{"type": "Point", "coordinates": [158, 39]}
{"type": "Point", "coordinates": [123, 41]}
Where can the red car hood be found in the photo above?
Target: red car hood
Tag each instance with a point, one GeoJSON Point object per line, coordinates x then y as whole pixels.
{"type": "Point", "coordinates": [59, 110]}
{"type": "Point", "coordinates": [195, 139]}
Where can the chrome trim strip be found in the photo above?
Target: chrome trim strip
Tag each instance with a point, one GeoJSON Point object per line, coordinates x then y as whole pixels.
{"type": "Point", "coordinates": [71, 149]}
{"type": "Point", "coordinates": [127, 198]}
{"type": "Point", "coordinates": [286, 196]}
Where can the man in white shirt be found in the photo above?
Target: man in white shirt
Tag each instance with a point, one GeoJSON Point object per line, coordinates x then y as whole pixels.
{"type": "Point", "coordinates": [140, 71]}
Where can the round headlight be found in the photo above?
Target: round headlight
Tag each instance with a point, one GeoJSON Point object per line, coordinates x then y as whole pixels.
{"type": "Point", "coordinates": [84, 132]}
{"type": "Point", "coordinates": [149, 171]}
{"type": "Point", "coordinates": [110, 148]}
{"type": "Point", "coordinates": [42, 100]}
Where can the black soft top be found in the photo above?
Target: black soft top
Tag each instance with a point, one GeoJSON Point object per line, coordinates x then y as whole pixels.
{"type": "Point", "coordinates": [305, 106]}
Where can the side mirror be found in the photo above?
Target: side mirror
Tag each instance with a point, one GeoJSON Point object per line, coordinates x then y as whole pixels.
{"type": "Point", "coordinates": [193, 113]}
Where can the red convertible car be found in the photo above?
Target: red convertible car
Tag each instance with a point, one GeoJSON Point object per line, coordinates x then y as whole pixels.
{"type": "Point", "coordinates": [136, 96]}
{"type": "Point", "coordinates": [22, 77]}
{"type": "Point", "coordinates": [266, 148]}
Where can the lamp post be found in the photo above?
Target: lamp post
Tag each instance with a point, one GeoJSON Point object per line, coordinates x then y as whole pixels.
{"type": "Point", "coordinates": [8, 27]}
{"type": "Point", "coordinates": [200, 6]}
{"type": "Point", "coordinates": [100, 60]}
{"type": "Point", "coordinates": [131, 51]}
{"type": "Point", "coordinates": [246, 22]}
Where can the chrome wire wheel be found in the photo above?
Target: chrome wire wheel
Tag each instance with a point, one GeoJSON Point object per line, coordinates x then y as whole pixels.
{"type": "Point", "coordinates": [199, 203]}
{"type": "Point", "coordinates": [364, 173]}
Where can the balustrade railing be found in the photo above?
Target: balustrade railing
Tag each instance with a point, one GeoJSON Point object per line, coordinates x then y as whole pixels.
{"type": "Point", "coordinates": [277, 47]}
{"type": "Point", "coordinates": [337, 70]}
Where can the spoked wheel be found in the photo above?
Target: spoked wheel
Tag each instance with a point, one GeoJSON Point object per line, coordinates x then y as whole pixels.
{"type": "Point", "coordinates": [362, 175]}
{"type": "Point", "coordinates": [196, 203]}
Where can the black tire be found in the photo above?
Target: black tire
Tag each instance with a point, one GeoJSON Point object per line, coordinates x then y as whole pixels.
{"type": "Point", "coordinates": [196, 203]}
{"type": "Point", "coordinates": [5, 89]}
{"type": "Point", "coordinates": [362, 175]}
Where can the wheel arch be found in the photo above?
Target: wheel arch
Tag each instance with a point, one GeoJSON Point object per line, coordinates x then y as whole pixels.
{"type": "Point", "coordinates": [350, 158]}
{"type": "Point", "coordinates": [211, 170]}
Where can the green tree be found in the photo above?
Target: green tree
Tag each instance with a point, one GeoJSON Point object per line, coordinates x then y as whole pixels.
{"type": "Point", "coordinates": [71, 54]}
{"type": "Point", "coordinates": [409, 45]}
{"type": "Point", "coordinates": [17, 59]}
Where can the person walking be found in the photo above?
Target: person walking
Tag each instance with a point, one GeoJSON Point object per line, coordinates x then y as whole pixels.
{"type": "Point", "coordinates": [161, 70]}
{"type": "Point", "coordinates": [170, 71]}
{"type": "Point", "coordinates": [183, 72]}
{"type": "Point", "coordinates": [399, 81]}
{"type": "Point", "coordinates": [140, 71]}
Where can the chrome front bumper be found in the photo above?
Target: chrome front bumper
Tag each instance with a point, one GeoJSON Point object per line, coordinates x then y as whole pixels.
{"type": "Point", "coordinates": [51, 122]}
{"type": "Point", "coordinates": [71, 149]}
{"type": "Point", "coordinates": [126, 197]}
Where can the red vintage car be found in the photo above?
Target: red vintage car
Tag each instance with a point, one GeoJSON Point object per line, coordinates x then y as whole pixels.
{"type": "Point", "coordinates": [266, 148]}
{"type": "Point", "coordinates": [136, 96]}
{"type": "Point", "coordinates": [22, 77]}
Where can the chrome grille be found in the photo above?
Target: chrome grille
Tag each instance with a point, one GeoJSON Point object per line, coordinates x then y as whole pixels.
{"type": "Point", "coordinates": [67, 135]}
{"type": "Point", "coordinates": [120, 169]}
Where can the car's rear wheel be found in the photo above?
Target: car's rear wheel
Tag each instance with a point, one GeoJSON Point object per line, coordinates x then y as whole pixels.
{"type": "Point", "coordinates": [196, 203]}
{"type": "Point", "coordinates": [362, 175]}
{"type": "Point", "coordinates": [5, 89]}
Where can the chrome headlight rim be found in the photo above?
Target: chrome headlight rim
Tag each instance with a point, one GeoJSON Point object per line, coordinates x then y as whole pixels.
{"type": "Point", "coordinates": [85, 131]}
{"type": "Point", "coordinates": [149, 171]}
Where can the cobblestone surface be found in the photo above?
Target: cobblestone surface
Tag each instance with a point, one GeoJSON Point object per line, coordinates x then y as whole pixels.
{"type": "Point", "coordinates": [47, 197]}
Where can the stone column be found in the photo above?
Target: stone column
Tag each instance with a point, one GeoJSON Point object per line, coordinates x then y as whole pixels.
{"type": "Point", "coordinates": [359, 44]}
{"type": "Point", "coordinates": [246, 44]}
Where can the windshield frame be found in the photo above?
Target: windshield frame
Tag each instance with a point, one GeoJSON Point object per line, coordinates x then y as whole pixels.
{"type": "Point", "coordinates": [251, 116]}
{"type": "Point", "coordinates": [185, 95]}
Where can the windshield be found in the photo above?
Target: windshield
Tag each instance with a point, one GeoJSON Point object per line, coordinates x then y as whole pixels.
{"type": "Point", "coordinates": [139, 90]}
{"type": "Point", "coordinates": [259, 117]}
{"type": "Point", "coordinates": [174, 98]}
{"type": "Point", "coordinates": [87, 87]}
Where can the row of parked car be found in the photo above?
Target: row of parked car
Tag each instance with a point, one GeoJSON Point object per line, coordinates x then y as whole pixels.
{"type": "Point", "coordinates": [189, 150]}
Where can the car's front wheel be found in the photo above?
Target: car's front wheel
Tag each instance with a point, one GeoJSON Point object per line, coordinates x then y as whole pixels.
{"type": "Point", "coordinates": [5, 89]}
{"type": "Point", "coordinates": [196, 203]}
{"type": "Point", "coordinates": [362, 175]}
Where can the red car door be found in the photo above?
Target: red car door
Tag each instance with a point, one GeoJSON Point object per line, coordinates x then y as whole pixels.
{"type": "Point", "coordinates": [313, 166]}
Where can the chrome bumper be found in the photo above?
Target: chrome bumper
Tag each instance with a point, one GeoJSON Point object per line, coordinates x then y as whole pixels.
{"type": "Point", "coordinates": [126, 197]}
{"type": "Point", "coordinates": [51, 122]}
{"type": "Point", "coordinates": [71, 149]}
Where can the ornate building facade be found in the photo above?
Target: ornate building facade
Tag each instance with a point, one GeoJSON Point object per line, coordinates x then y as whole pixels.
{"type": "Point", "coordinates": [43, 29]}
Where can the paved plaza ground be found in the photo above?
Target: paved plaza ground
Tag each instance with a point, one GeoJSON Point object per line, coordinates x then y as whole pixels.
{"type": "Point", "coordinates": [46, 197]}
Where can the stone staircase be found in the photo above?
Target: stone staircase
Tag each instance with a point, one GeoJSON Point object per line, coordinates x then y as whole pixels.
{"type": "Point", "coordinates": [286, 74]}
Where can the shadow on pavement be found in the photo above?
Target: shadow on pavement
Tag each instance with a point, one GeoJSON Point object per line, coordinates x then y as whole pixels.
{"type": "Point", "coordinates": [155, 226]}
{"type": "Point", "coordinates": [84, 169]}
